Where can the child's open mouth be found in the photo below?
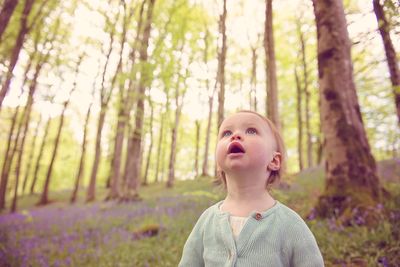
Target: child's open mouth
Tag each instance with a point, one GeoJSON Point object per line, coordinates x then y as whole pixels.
{"type": "Point", "coordinates": [235, 148]}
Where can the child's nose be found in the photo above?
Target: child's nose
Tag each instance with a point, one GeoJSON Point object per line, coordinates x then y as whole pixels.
{"type": "Point", "coordinates": [236, 136]}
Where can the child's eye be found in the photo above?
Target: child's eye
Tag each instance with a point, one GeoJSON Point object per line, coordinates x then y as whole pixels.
{"type": "Point", "coordinates": [226, 133]}
{"type": "Point", "coordinates": [251, 131]}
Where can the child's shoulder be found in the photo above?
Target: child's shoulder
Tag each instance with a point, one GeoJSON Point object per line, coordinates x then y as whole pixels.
{"type": "Point", "coordinates": [211, 211]}
{"type": "Point", "coordinates": [287, 215]}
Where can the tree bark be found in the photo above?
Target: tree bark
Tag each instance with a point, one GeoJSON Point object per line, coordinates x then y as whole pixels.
{"type": "Point", "coordinates": [390, 52]}
{"type": "Point", "coordinates": [351, 175]}
{"type": "Point", "coordinates": [82, 161]}
{"type": "Point", "coordinates": [25, 122]}
{"type": "Point", "coordinates": [179, 96]}
{"type": "Point", "coordinates": [210, 110]}
{"type": "Point", "coordinates": [43, 58]}
{"type": "Point", "coordinates": [31, 155]}
{"type": "Point", "coordinates": [23, 31]}
{"type": "Point", "coordinates": [174, 135]}
{"type": "Point", "coordinates": [272, 85]}
{"type": "Point", "coordinates": [133, 167]}
{"type": "Point", "coordinates": [44, 199]}
{"type": "Point", "coordinates": [40, 155]}
{"type": "Point", "coordinates": [159, 147]}
{"type": "Point", "coordinates": [196, 161]}
{"type": "Point", "coordinates": [104, 100]}
{"type": "Point", "coordinates": [221, 65]}
{"type": "Point", "coordinates": [299, 120]}
{"type": "Point", "coordinates": [253, 80]}
{"type": "Point", "coordinates": [6, 13]}
{"type": "Point", "coordinates": [146, 172]}
{"type": "Point", "coordinates": [124, 109]}
{"type": "Point", "coordinates": [91, 191]}
{"type": "Point", "coordinates": [9, 154]}
{"type": "Point", "coordinates": [306, 91]}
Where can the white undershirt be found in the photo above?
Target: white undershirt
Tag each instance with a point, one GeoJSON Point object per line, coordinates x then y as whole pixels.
{"type": "Point", "coordinates": [236, 223]}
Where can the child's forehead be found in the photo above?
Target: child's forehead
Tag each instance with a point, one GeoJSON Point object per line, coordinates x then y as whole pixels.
{"type": "Point", "coordinates": [244, 118]}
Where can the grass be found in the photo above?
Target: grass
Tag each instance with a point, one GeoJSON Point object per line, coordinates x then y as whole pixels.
{"type": "Point", "coordinates": [152, 232]}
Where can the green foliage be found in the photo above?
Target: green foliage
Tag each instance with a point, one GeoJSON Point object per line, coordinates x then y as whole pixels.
{"type": "Point", "coordinates": [152, 232]}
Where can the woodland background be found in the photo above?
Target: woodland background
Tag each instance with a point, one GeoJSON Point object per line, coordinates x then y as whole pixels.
{"type": "Point", "coordinates": [120, 101]}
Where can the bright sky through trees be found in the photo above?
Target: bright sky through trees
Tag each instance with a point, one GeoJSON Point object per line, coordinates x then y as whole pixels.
{"type": "Point", "coordinates": [245, 24]}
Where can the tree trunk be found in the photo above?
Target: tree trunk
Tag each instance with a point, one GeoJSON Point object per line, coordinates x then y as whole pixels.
{"type": "Point", "coordinates": [272, 85]}
{"type": "Point", "coordinates": [9, 154]}
{"type": "Point", "coordinates": [40, 155]}
{"type": "Point", "coordinates": [124, 109]}
{"type": "Point", "coordinates": [83, 155]}
{"type": "Point", "coordinates": [25, 121]}
{"type": "Point", "coordinates": [299, 120]}
{"type": "Point", "coordinates": [104, 99]}
{"type": "Point", "coordinates": [159, 148]}
{"type": "Point", "coordinates": [221, 65]}
{"type": "Point", "coordinates": [390, 52]}
{"type": "Point", "coordinates": [196, 161]}
{"type": "Point", "coordinates": [28, 109]}
{"type": "Point", "coordinates": [307, 101]}
{"type": "Point", "coordinates": [44, 199]}
{"type": "Point", "coordinates": [91, 191]}
{"type": "Point", "coordinates": [146, 172]}
{"type": "Point", "coordinates": [253, 80]}
{"type": "Point", "coordinates": [6, 13]}
{"type": "Point", "coordinates": [351, 175]}
{"type": "Point", "coordinates": [208, 133]}
{"type": "Point", "coordinates": [210, 109]}
{"type": "Point", "coordinates": [133, 168]}
{"type": "Point", "coordinates": [23, 31]}
{"type": "Point", "coordinates": [174, 135]}
{"type": "Point", "coordinates": [31, 155]}
{"type": "Point", "coordinates": [179, 96]}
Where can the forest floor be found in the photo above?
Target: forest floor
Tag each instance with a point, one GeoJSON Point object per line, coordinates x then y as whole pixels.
{"type": "Point", "coordinates": [152, 232]}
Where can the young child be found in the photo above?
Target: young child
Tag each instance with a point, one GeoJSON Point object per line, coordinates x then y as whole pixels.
{"type": "Point", "coordinates": [249, 227]}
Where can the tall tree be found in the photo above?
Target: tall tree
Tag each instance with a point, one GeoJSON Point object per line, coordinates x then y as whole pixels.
{"type": "Point", "coordinates": [211, 93]}
{"type": "Point", "coordinates": [351, 175]}
{"type": "Point", "coordinates": [272, 85]}
{"type": "Point", "coordinates": [6, 13]}
{"type": "Point", "coordinates": [384, 29]}
{"type": "Point", "coordinates": [253, 79]}
{"type": "Point", "coordinates": [125, 100]}
{"type": "Point", "coordinates": [105, 96]}
{"type": "Point", "coordinates": [179, 96]}
{"type": "Point", "coordinates": [160, 153]}
{"type": "Point", "coordinates": [25, 28]}
{"type": "Point", "coordinates": [40, 156]}
{"type": "Point", "coordinates": [306, 92]}
{"type": "Point", "coordinates": [9, 154]}
{"type": "Point", "coordinates": [12, 144]}
{"type": "Point", "coordinates": [43, 59]}
{"type": "Point", "coordinates": [196, 157]}
{"type": "Point", "coordinates": [82, 160]}
{"type": "Point", "coordinates": [299, 112]}
{"type": "Point", "coordinates": [133, 168]}
{"type": "Point", "coordinates": [222, 49]}
{"type": "Point", "coordinates": [31, 154]}
{"type": "Point", "coordinates": [146, 171]}
{"type": "Point", "coordinates": [44, 198]}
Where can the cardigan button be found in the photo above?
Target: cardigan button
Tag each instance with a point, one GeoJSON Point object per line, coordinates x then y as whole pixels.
{"type": "Point", "coordinates": [258, 216]}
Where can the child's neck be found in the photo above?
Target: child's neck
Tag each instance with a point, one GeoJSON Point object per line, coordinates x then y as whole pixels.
{"type": "Point", "coordinates": [243, 197]}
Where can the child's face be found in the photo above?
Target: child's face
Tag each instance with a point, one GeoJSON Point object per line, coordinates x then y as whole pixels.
{"type": "Point", "coordinates": [245, 143]}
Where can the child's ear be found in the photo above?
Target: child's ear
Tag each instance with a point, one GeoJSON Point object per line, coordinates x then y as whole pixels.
{"type": "Point", "coordinates": [275, 163]}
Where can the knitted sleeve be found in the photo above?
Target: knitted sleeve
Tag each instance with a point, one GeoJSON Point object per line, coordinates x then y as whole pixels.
{"type": "Point", "coordinates": [304, 248]}
{"type": "Point", "coordinates": [192, 254]}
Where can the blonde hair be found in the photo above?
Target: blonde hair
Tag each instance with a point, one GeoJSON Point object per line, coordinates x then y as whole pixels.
{"type": "Point", "coordinates": [280, 147]}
